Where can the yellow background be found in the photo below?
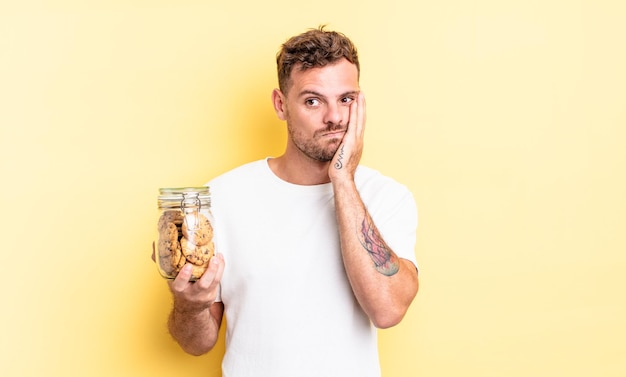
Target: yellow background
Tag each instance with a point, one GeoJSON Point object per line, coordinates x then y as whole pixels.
{"type": "Point", "coordinates": [506, 119]}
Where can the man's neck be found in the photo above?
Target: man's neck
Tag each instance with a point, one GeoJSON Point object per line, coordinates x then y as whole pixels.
{"type": "Point", "coordinates": [300, 170]}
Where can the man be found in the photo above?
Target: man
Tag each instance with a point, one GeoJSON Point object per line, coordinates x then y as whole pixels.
{"type": "Point", "coordinates": [315, 251]}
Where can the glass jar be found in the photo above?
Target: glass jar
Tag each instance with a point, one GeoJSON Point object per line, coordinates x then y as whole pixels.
{"type": "Point", "coordinates": [185, 229]}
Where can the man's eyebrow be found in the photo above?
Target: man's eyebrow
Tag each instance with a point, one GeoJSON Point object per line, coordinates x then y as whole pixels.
{"type": "Point", "coordinates": [317, 94]}
{"type": "Point", "coordinates": [310, 92]}
{"type": "Point", "coordinates": [351, 93]}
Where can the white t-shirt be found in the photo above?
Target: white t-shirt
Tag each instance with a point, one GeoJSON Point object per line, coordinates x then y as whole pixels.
{"type": "Point", "coordinates": [289, 308]}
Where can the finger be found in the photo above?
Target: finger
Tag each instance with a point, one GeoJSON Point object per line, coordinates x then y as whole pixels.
{"type": "Point", "coordinates": [353, 123]}
{"type": "Point", "coordinates": [153, 252]}
{"type": "Point", "coordinates": [182, 279]}
{"type": "Point", "coordinates": [361, 114]}
{"type": "Point", "coordinates": [220, 270]}
{"type": "Point", "coordinates": [217, 278]}
{"type": "Point", "coordinates": [212, 276]}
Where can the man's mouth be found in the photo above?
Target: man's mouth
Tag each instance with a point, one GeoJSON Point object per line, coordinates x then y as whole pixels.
{"type": "Point", "coordinates": [334, 133]}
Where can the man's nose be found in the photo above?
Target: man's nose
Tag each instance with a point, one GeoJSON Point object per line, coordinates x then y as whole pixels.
{"type": "Point", "coordinates": [334, 114]}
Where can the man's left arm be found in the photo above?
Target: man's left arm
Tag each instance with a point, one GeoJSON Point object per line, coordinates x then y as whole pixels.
{"type": "Point", "coordinates": [383, 283]}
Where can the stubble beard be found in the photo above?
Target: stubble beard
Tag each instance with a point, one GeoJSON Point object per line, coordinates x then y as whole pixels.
{"type": "Point", "coordinates": [313, 148]}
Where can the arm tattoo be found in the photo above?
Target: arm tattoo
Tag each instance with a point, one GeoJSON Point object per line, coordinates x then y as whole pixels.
{"type": "Point", "coordinates": [339, 163]}
{"type": "Point", "coordinates": [384, 260]}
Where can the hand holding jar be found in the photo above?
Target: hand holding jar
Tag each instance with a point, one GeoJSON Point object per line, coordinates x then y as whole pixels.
{"type": "Point", "coordinates": [185, 231]}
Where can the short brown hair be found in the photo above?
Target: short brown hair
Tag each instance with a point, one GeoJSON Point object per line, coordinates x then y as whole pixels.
{"type": "Point", "coordinates": [311, 49]}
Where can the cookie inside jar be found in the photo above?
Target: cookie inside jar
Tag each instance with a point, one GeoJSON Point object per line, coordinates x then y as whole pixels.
{"type": "Point", "coordinates": [185, 231]}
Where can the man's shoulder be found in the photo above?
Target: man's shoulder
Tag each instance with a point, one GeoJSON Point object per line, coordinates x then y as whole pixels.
{"type": "Point", "coordinates": [241, 172]}
{"type": "Point", "coordinates": [366, 177]}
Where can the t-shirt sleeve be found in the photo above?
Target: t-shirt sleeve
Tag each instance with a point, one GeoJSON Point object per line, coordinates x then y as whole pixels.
{"type": "Point", "coordinates": [395, 216]}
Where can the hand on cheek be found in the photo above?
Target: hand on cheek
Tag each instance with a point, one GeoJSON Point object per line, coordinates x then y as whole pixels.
{"type": "Point", "coordinates": [349, 153]}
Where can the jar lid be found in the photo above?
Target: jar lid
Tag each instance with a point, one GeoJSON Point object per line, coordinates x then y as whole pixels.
{"type": "Point", "coordinates": [171, 197]}
{"type": "Point", "coordinates": [181, 190]}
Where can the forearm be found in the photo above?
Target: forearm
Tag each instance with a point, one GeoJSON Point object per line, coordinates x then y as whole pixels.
{"type": "Point", "coordinates": [195, 330]}
{"type": "Point", "coordinates": [383, 284]}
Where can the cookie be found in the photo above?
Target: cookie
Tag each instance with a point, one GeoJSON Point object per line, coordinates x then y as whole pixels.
{"type": "Point", "coordinates": [197, 271]}
{"type": "Point", "coordinates": [167, 269]}
{"type": "Point", "coordinates": [178, 260]}
{"type": "Point", "coordinates": [202, 232]}
{"type": "Point", "coordinates": [168, 239]}
{"type": "Point", "coordinates": [196, 254]}
{"type": "Point", "coordinates": [184, 240]}
{"type": "Point", "coordinates": [168, 247]}
{"type": "Point", "coordinates": [169, 250]}
{"type": "Point", "coordinates": [170, 217]}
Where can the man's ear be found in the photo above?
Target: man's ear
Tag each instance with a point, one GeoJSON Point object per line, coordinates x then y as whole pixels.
{"type": "Point", "coordinates": [279, 102]}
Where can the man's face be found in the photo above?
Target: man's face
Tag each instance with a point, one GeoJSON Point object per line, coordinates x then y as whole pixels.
{"type": "Point", "coordinates": [317, 108]}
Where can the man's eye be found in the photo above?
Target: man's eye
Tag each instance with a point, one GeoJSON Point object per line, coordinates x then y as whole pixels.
{"type": "Point", "coordinates": [347, 100]}
{"type": "Point", "coordinates": [312, 102]}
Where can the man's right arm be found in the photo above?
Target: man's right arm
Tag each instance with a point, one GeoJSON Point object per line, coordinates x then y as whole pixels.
{"type": "Point", "coordinates": [196, 317]}
{"type": "Point", "coordinates": [196, 332]}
